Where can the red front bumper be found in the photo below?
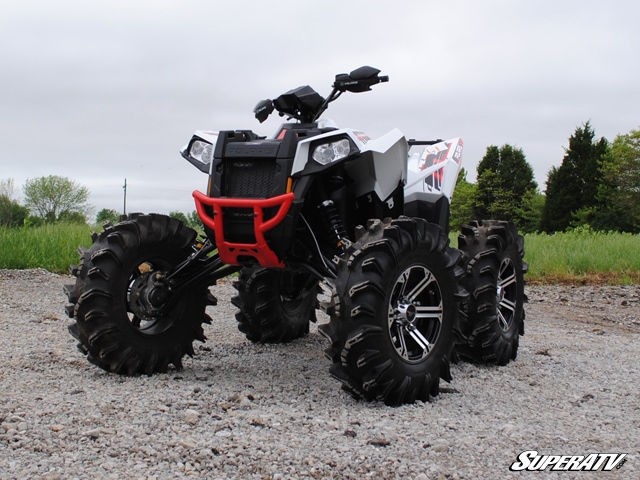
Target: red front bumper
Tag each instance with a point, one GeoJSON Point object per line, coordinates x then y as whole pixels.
{"type": "Point", "coordinates": [228, 251]}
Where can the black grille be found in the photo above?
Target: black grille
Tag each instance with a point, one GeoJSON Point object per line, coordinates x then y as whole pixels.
{"type": "Point", "coordinates": [248, 178]}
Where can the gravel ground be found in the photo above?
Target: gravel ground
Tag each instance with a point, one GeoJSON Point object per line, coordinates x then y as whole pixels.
{"type": "Point", "coordinates": [246, 411]}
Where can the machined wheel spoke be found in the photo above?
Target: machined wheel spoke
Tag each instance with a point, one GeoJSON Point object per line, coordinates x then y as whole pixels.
{"type": "Point", "coordinates": [504, 324]}
{"type": "Point", "coordinates": [403, 343]}
{"type": "Point", "coordinates": [419, 338]}
{"type": "Point", "coordinates": [403, 279]}
{"type": "Point", "coordinates": [417, 290]}
{"type": "Point", "coordinates": [505, 282]}
{"type": "Point", "coordinates": [508, 304]}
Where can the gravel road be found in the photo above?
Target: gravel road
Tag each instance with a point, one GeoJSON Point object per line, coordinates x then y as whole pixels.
{"type": "Point", "coordinates": [246, 411]}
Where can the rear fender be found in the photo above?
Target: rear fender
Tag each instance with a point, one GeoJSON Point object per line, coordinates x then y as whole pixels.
{"type": "Point", "coordinates": [433, 170]}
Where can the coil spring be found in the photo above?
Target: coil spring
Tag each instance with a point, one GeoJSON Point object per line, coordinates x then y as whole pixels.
{"type": "Point", "coordinates": [332, 222]}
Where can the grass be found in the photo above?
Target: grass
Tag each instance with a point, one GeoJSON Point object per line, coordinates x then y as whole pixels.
{"type": "Point", "coordinates": [53, 247]}
{"type": "Point", "coordinates": [583, 257]}
{"type": "Point", "coordinates": [578, 257]}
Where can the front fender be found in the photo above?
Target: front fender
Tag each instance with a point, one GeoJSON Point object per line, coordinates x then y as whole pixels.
{"type": "Point", "coordinates": [379, 164]}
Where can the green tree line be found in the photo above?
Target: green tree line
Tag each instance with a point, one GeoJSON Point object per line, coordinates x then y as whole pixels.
{"type": "Point", "coordinates": [48, 199]}
{"type": "Point", "coordinates": [597, 185]}
{"type": "Point", "coordinates": [55, 199]}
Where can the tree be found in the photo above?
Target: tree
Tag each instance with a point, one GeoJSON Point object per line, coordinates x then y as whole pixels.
{"type": "Point", "coordinates": [574, 185]}
{"type": "Point", "coordinates": [463, 202]}
{"type": "Point", "coordinates": [191, 220]}
{"type": "Point", "coordinates": [11, 213]}
{"type": "Point", "coordinates": [72, 217]}
{"type": "Point", "coordinates": [180, 216]}
{"type": "Point", "coordinates": [529, 214]}
{"type": "Point", "coordinates": [55, 197]}
{"type": "Point", "coordinates": [107, 215]}
{"type": "Point", "coordinates": [619, 191]}
{"type": "Point", "coordinates": [8, 189]}
{"type": "Point", "coordinates": [505, 178]}
{"type": "Point", "coordinates": [194, 220]}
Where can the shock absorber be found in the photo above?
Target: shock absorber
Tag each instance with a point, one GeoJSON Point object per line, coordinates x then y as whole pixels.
{"type": "Point", "coordinates": [332, 223]}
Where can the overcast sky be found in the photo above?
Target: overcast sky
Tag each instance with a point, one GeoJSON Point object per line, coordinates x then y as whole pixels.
{"type": "Point", "coordinates": [101, 91]}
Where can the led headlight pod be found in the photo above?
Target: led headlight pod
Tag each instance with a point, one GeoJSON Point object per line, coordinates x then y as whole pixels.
{"type": "Point", "coordinates": [330, 152]}
{"type": "Point", "coordinates": [201, 151]}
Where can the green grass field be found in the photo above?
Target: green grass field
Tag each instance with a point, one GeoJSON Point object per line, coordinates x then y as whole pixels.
{"type": "Point", "coordinates": [583, 257]}
{"type": "Point", "coordinates": [577, 257]}
{"type": "Point", "coordinates": [53, 246]}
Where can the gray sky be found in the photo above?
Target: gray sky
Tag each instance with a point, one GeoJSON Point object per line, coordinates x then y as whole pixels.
{"type": "Point", "coordinates": [102, 90]}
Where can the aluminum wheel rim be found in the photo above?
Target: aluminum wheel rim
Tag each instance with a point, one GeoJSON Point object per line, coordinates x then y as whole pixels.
{"type": "Point", "coordinates": [507, 294]}
{"type": "Point", "coordinates": [415, 313]}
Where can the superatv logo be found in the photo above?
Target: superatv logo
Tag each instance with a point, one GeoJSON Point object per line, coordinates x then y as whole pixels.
{"type": "Point", "coordinates": [530, 460]}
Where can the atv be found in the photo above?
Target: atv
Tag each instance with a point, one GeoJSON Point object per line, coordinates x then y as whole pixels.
{"type": "Point", "coordinates": [316, 217]}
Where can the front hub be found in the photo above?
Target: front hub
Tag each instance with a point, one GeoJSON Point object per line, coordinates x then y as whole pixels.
{"type": "Point", "coordinates": [147, 295]}
{"type": "Point", "coordinates": [406, 312]}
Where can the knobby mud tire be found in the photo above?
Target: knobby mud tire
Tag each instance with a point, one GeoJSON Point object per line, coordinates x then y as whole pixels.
{"type": "Point", "coordinates": [274, 305]}
{"type": "Point", "coordinates": [373, 356]}
{"type": "Point", "coordinates": [108, 331]}
{"type": "Point", "coordinates": [494, 277]}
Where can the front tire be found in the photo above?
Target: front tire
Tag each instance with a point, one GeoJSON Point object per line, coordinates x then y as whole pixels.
{"type": "Point", "coordinates": [115, 325]}
{"type": "Point", "coordinates": [394, 325]}
{"type": "Point", "coordinates": [274, 305]}
{"type": "Point", "coordinates": [493, 259]}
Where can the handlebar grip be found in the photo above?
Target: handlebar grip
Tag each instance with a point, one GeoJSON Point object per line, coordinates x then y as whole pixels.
{"type": "Point", "coordinates": [384, 78]}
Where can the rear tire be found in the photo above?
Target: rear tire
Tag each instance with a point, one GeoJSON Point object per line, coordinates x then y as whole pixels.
{"type": "Point", "coordinates": [114, 326]}
{"type": "Point", "coordinates": [394, 326]}
{"type": "Point", "coordinates": [494, 311]}
{"type": "Point", "coordinates": [275, 305]}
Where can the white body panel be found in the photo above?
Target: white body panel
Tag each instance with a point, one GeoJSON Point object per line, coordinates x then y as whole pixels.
{"type": "Point", "coordinates": [382, 174]}
{"type": "Point", "coordinates": [208, 135]}
{"type": "Point", "coordinates": [388, 171]}
{"type": "Point", "coordinates": [428, 172]}
{"type": "Point", "coordinates": [433, 170]}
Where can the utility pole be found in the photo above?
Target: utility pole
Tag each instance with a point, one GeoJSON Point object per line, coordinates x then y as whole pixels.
{"type": "Point", "coordinates": [125, 197]}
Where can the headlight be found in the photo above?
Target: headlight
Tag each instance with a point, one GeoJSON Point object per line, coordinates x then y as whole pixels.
{"type": "Point", "coordinates": [331, 152]}
{"type": "Point", "coordinates": [201, 151]}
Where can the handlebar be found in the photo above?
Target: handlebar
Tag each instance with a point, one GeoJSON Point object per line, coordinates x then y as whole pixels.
{"type": "Point", "coordinates": [359, 80]}
{"type": "Point", "coordinates": [305, 105]}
